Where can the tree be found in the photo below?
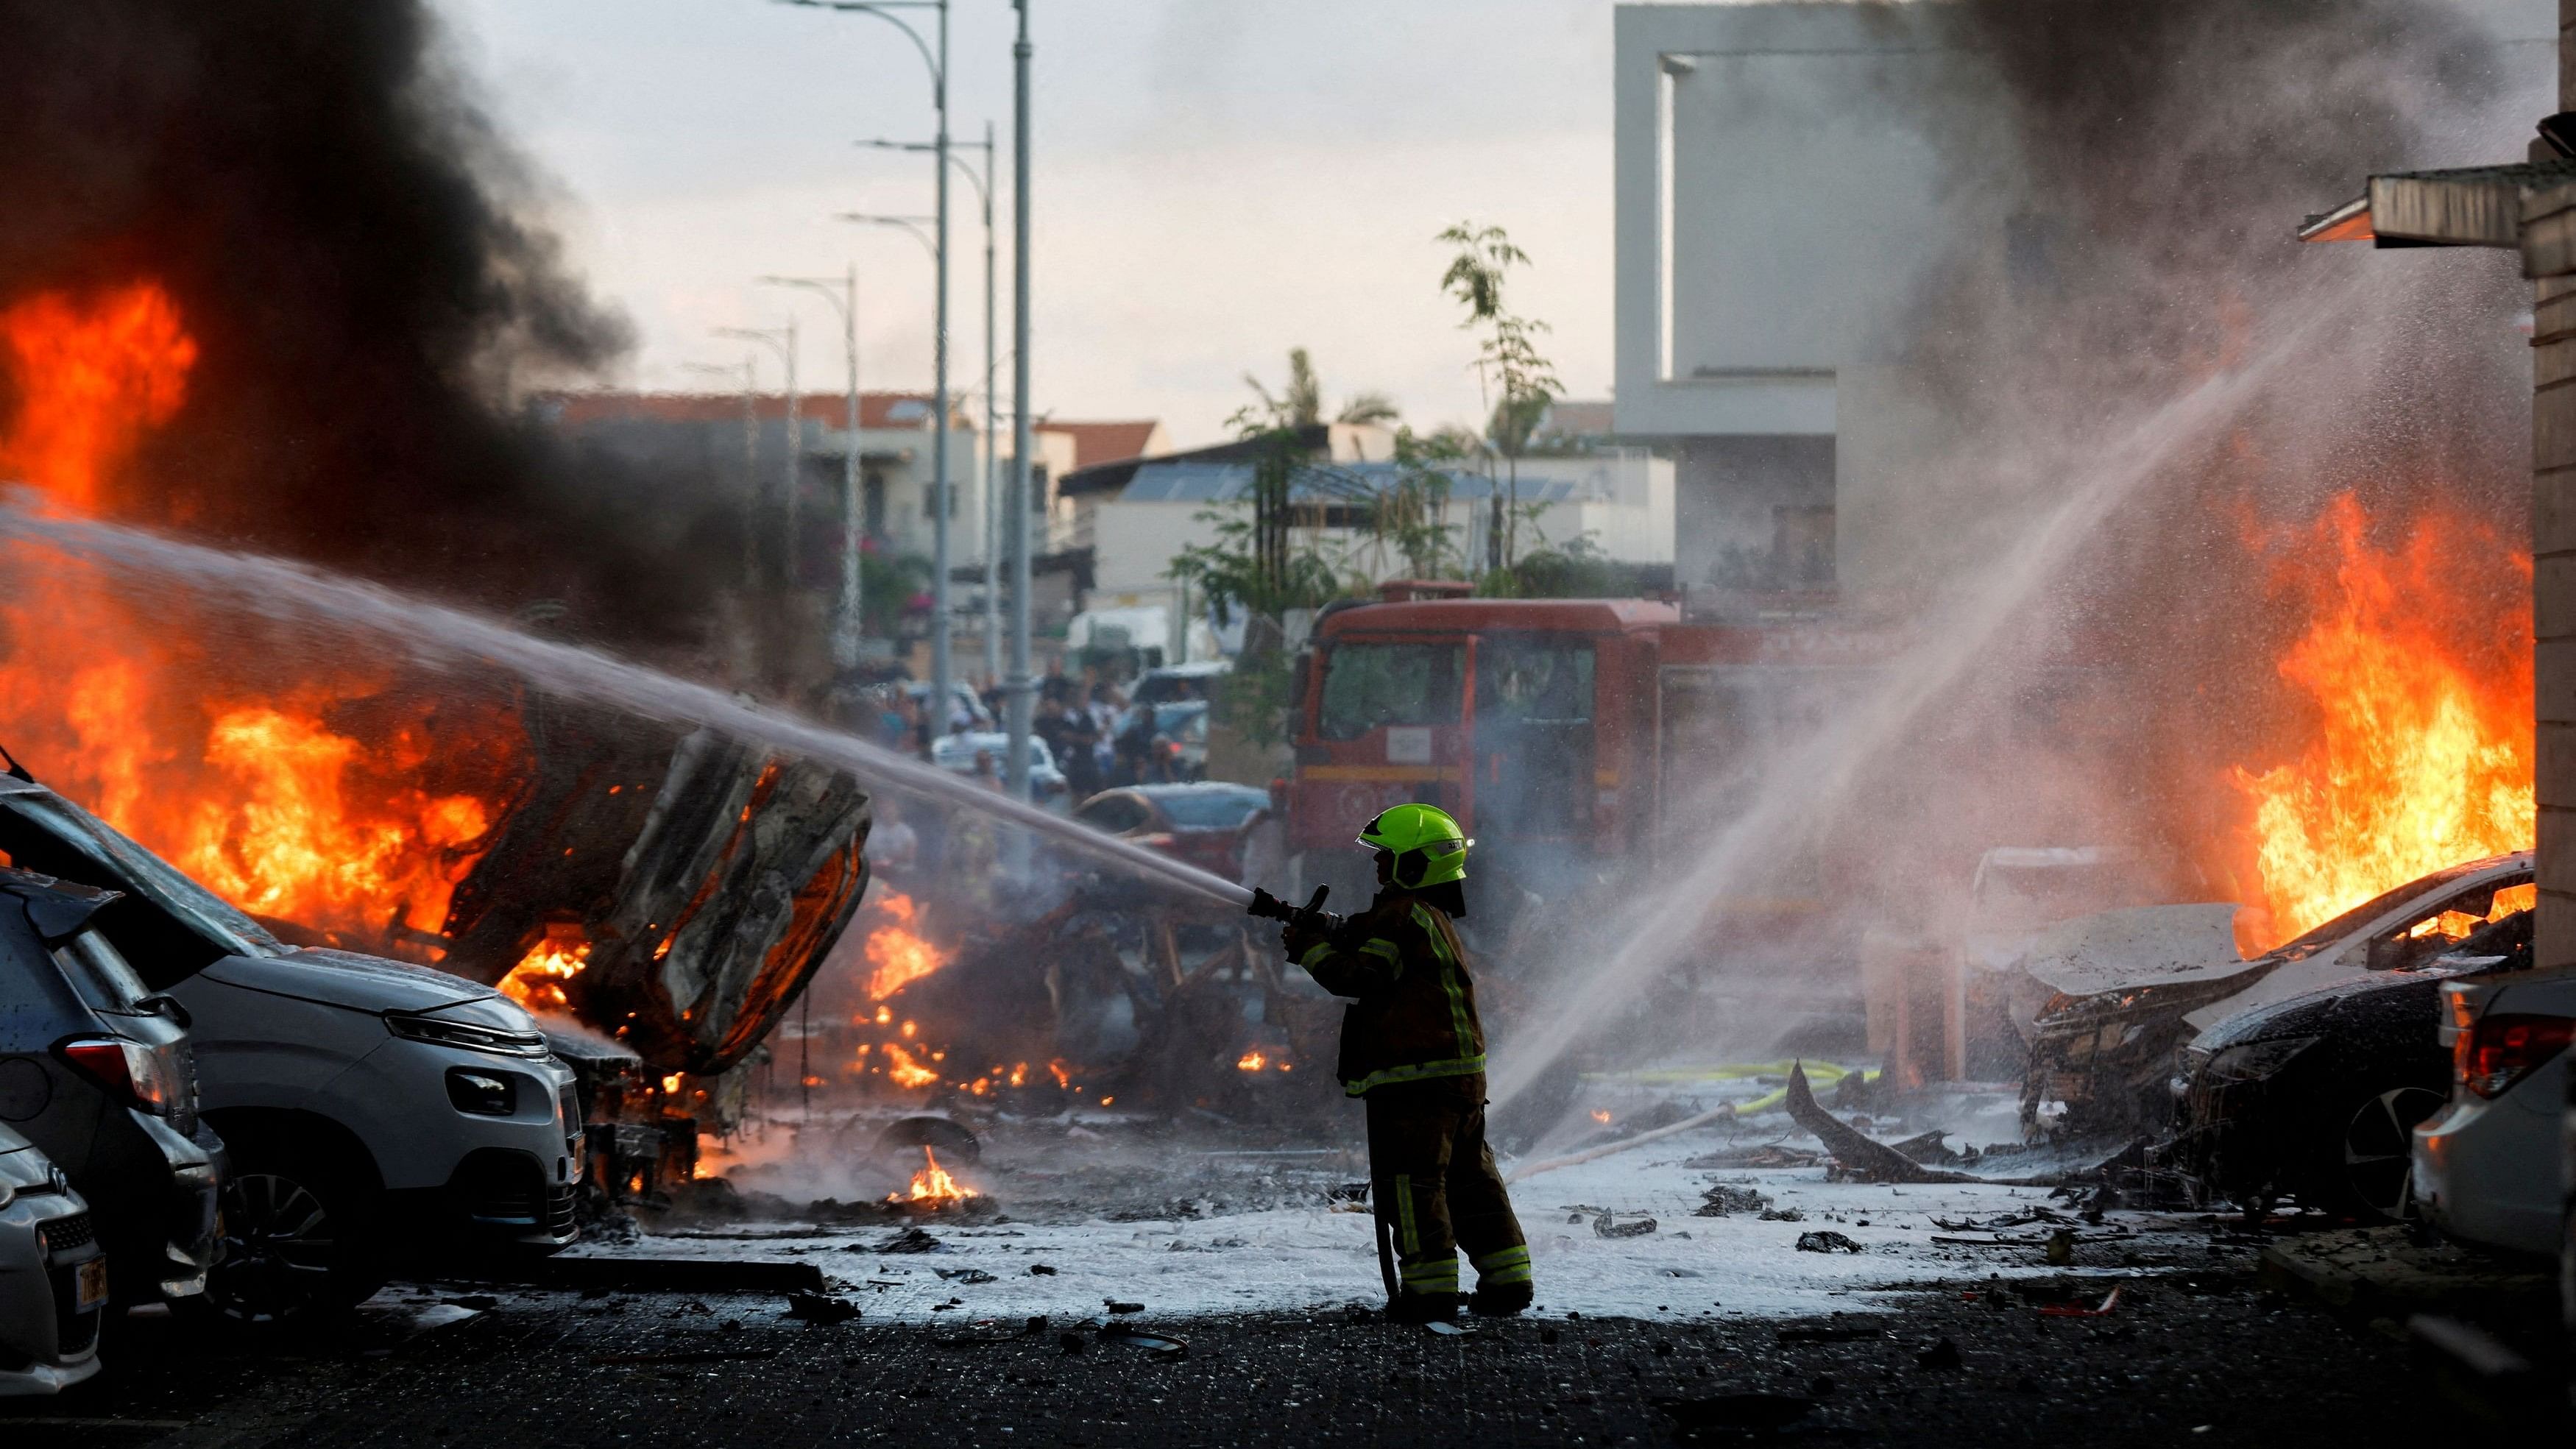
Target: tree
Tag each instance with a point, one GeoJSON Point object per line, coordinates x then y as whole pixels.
{"type": "Point", "coordinates": [1508, 365]}
{"type": "Point", "coordinates": [1300, 403]}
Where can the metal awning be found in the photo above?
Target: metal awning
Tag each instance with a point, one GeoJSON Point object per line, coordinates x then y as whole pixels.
{"type": "Point", "coordinates": [2468, 206]}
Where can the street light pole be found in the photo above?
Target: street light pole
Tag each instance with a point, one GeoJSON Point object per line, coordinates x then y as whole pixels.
{"type": "Point", "coordinates": [992, 505]}
{"type": "Point", "coordinates": [781, 340]}
{"type": "Point", "coordinates": [940, 672]}
{"type": "Point", "coordinates": [848, 620]}
{"type": "Point", "coordinates": [1020, 685]}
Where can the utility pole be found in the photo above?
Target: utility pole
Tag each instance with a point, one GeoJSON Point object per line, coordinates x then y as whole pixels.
{"type": "Point", "coordinates": [848, 620]}
{"type": "Point", "coordinates": [1020, 685]}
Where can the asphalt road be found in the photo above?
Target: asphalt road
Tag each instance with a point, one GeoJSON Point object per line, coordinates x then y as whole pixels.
{"type": "Point", "coordinates": [2199, 1358]}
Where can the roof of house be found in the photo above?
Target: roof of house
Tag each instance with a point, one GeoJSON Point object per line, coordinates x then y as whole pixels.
{"type": "Point", "coordinates": [1108, 478]}
{"type": "Point", "coordinates": [887, 410]}
{"type": "Point", "coordinates": [1109, 442]}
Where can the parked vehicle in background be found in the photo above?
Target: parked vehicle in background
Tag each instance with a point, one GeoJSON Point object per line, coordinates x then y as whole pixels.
{"type": "Point", "coordinates": [1197, 823]}
{"type": "Point", "coordinates": [2489, 1167]}
{"type": "Point", "coordinates": [372, 1110]}
{"type": "Point", "coordinates": [2130, 988]}
{"type": "Point", "coordinates": [97, 1072]}
{"type": "Point", "coordinates": [962, 700]}
{"type": "Point", "coordinates": [2316, 1097]}
{"type": "Point", "coordinates": [53, 1275]}
{"type": "Point", "coordinates": [1181, 683]}
{"type": "Point", "coordinates": [957, 753]}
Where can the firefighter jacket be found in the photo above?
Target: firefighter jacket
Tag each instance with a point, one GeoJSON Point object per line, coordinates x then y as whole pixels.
{"type": "Point", "coordinates": [1412, 1012]}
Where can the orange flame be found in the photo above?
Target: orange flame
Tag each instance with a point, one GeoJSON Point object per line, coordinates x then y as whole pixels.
{"type": "Point", "coordinates": [2422, 756]}
{"type": "Point", "coordinates": [903, 1071]}
{"type": "Point", "coordinates": [900, 956]}
{"type": "Point", "coordinates": [1251, 1061]}
{"type": "Point", "coordinates": [286, 805]}
{"type": "Point", "coordinates": [932, 1186]}
{"type": "Point", "coordinates": [537, 981]}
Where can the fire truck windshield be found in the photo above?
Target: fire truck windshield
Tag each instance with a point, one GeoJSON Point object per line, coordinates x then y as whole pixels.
{"type": "Point", "coordinates": [1370, 685]}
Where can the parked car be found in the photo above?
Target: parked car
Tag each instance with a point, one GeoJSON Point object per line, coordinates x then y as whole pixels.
{"type": "Point", "coordinates": [1195, 823]}
{"type": "Point", "coordinates": [2129, 988]}
{"type": "Point", "coordinates": [53, 1275]}
{"type": "Point", "coordinates": [372, 1110]}
{"type": "Point", "coordinates": [962, 699]}
{"type": "Point", "coordinates": [2314, 1097]}
{"type": "Point", "coordinates": [957, 753]}
{"type": "Point", "coordinates": [96, 1071]}
{"type": "Point", "coordinates": [2488, 1168]}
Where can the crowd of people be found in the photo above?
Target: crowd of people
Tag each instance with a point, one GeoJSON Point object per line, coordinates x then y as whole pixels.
{"type": "Point", "coordinates": [1095, 733]}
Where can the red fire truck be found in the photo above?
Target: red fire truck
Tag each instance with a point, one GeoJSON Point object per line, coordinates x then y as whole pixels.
{"type": "Point", "coordinates": [1563, 733]}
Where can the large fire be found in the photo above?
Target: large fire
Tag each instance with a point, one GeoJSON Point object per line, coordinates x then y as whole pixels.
{"type": "Point", "coordinates": [537, 982]}
{"type": "Point", "coordinates": [304, 792]}
{"type": "Point", "coordinates": [2422, 752]}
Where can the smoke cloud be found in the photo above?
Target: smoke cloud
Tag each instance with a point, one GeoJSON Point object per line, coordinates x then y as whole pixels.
{"type": "Point", "coordinates": [365, 267]}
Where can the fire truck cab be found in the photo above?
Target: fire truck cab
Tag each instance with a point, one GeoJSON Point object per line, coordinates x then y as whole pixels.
{"type": "Point", "coordinates": [1567, 735]}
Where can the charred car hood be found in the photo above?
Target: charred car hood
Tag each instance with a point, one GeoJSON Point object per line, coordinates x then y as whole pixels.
{"type": "Point", "coordinates": [2137, 947]}
{"type": "Point", "coordinates": [344, 978]}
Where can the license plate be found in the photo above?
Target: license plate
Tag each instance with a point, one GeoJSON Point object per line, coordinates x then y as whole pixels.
{"type": "Point", "coordinates": [90, 1285]}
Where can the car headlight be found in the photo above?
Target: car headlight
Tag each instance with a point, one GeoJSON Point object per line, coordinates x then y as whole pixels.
{"type": "Point", "coordinates": [466, 1035]}
{"type": "Point", "coordinates": [483, 1094]}
{"type": "Point", "coordinates": [2255, 1060]}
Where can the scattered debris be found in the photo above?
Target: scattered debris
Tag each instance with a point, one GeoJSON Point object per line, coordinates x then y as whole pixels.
{"type": "Point", "coordinates": [2070, 1310]}
{"type": "Point", "coordinates": [1161, 1345]}
{"type": "Point", "coordinates": [1072, 1343]}
{"type": "Point", "coordinates": [1444, 1328]}
{"type": "Point", "coordinates": [820, 1308]}
{"type": "Point", "coordinates": [1114, 1306]}
{"type": "Point", "coordinates": [911, 1240]}
{"type": "Point", "coordinates": [1041, 1270]}
{"type": "Point", "coordinates": [1783, 1215]}
{"type": "Point", "coordinates": [2061, 1248]}
{"type": "Point", "coordinates": [1827, 1241]}
{"type": "Point", "coordinates": [1722, 1200]}
{"type": "Point", "coordinates": [1769, 1154]}
{"type": "Point", "coordinates": [964, 1275]}
{"type": "Point", "coordinates": [1941, 1353]}
{"type": "Point", "coordinates": [1608, 1227]}
{"type": "Point", "coordinates": [1926, 1148]}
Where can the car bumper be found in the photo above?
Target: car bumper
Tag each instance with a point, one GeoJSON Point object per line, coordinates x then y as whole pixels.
{"type": "Point", "coordinates": [2485, 1170]}
{"type": "Point", "coordinates": [47, 1341]}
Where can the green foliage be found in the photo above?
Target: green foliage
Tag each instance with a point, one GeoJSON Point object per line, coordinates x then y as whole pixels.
{"type": "Point", "coordinates": [1508, 362]}
{"type": "Point", "coordinates": [887, 585]}
{"type": "Point", "coordinates": [1577, 569]}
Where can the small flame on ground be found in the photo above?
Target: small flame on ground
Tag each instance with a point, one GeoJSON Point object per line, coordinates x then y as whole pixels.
{"type": "Point", "coordinates": [1251, 1061]}
{"type": "Point", "coordinates": [931, 1186]}
{"type": "Point", "coordinates": [1601, 1117]}
{"type": "Point", "coordinates": [1063, 1078]}
{"type": "Point", "coordinates": [671, 1084]}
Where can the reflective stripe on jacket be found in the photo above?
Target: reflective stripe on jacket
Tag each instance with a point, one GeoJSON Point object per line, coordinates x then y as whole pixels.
{"type": "Point", "coordinates": [1413, 1007]}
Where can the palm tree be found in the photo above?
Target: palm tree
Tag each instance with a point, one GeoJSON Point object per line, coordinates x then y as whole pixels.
{"type": "Point", "coordinates": [1300, 404]}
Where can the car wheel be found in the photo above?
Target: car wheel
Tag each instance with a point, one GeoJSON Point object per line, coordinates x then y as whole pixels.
{"type": "Point", "coordinates": [2377, 1155]}
{"type": "Point", "coordinates": [295, 1243]}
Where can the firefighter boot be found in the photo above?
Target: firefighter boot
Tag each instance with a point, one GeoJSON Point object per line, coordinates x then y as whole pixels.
{"type": "Point", "coordinates": [1503, 1286]}
{"type": "Point", "coordinates": [1424, 1307]}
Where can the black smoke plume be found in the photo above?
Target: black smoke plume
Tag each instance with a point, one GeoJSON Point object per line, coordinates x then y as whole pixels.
{"type": "Point", "coordinates": [363, 262]}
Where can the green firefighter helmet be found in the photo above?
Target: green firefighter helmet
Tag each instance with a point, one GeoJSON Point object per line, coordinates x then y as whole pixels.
{"type": "Point", "coordinates": [1428, 846]}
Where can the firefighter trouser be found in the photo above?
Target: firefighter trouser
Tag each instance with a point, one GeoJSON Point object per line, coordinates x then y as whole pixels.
{"type": "Point", "coordinates": [1434, 1182]}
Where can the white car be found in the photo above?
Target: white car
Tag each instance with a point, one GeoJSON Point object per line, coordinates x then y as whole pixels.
{"type": "Point", "coordinates": [2488, 1165]}
{"type": "Point", "coordinates": [53, 1278]}
{"type": "Point", "coordinates": [956, 753]}
{"type": "Point", "coordinates": [372, 1110]}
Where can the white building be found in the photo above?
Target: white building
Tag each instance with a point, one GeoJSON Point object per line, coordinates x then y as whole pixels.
{"type": "Point", "coordinates": [1775, 200]}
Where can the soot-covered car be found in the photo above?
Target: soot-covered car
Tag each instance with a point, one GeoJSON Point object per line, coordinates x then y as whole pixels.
{"type": "Point", "coordinates": [372, 1110]}
{"type": "Point", "coordinates": [2313, 1098]}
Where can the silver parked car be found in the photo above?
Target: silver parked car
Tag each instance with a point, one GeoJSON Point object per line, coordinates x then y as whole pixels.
{"type": "Point", "coordinates": [53, 1276]}
{"type": "Point", "coordinates": [2487, 1166]}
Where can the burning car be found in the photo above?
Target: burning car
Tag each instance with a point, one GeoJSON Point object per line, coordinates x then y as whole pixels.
{"type": "Point", "coordinates": [370, 1108]}
{"type": "Point", "coordinates": [2314, 1096]}
{"type": "Point", "coordinates": [2132, 987]}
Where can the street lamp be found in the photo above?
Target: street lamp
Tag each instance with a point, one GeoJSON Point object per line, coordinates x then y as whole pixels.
{"type": "Point", "coordinates": [1020, 686]}
{"type": "Point", "coordinates": [992, 399]}
{"type": "Point", "coordinates": [748, 375]}
{"type": "Point", "coordinates": [849, 620]}
{"type": "Point", "coordinates": [781, 340]}
{"type": "Point", "coordinates": [888, 11]}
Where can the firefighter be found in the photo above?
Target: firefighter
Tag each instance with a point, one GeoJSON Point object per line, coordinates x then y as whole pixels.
{"type": "Point", "coordinates": [1414, 1052]}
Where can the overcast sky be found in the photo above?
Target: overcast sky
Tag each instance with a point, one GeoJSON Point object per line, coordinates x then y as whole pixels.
{"type": "Point", "coordinates": [1216, 181]}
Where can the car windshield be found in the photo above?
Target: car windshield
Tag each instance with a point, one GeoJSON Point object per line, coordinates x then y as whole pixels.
{"type": "Point", "coordinates": [1222, 809]}
{"type": "Point", "coordinates": [1369, 685]}
{"type": "Point", "coordinates": [118, 863]}
{"type": "Point", "coordinates": [2427, 887]}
